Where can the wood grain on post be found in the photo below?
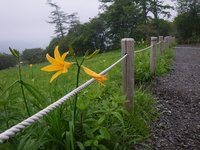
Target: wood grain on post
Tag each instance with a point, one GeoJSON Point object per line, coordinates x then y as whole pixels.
{"type": "Point", "coordinates": [153, 55]}
{"type": "Point", "coordinates": [170, 39]}
{"type": "Point", "coordinates": [127, 45]}
{"type": "Point", "coordinates": [165, 41]}
{"type": "Point", "coordinates": [161, 44]}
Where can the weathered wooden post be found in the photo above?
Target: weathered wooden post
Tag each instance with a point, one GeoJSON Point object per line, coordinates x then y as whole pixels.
{"type": "Point", "coordinates": [173, 39]}
{"type": "Point", "coordinates": [165, 41]}
{"type": "Point", "coordinates": [170, 39]}
{"type": "Point", "coordinates": [161, 44]}
{"type": "Point", "coordinates": [153, 55]}
{"type": "Point", "coordinates": [127, 45]}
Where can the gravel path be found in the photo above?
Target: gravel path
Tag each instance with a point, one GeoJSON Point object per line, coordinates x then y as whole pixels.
{"type": "Point", "coordinates": [178, 98]}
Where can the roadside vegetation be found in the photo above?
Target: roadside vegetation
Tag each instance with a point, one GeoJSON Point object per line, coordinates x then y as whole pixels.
{"type": "Point", "coordinates": [96, 118]}
{"type": "Point", "coordinates": [102, 122]}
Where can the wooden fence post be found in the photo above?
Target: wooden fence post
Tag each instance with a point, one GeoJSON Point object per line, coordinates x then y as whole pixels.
{"type": "Point", "coordinates": [170, 40]}
{"type": "Point", "coordinates": [161, 44]}
{"type": "Point", "coordinates": [153, 55]}
{"type": "Point", "coordinates": [127, 45]}
{"type": "Point", "coordinates": [165, 41]}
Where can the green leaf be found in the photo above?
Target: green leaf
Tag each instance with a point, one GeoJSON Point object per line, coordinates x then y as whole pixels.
{"type": "Point", "coordinates": [93, 54]}
{"type": "Point", "coordinates": [95, 143]}
{"type": "Point", "coordinates": [71, 131]}
{"type": "Point", "coordinates": [104, 133]}
{"type": "Point", "coordinates": [88, 143]}
{"type": "Point", "coordinates": [118, 116]}
{"type": "Point", "coordinates": [93, 148]}
{"type": "Point", "coordinates": [83, 104]}
{"type": "Point", "coordinates": [116, 146]}
{"type": "Point", "coordinates": [8, 146]}
{"type": "Point", "coordinates": [10, 86]}
{"type": "Point", "coordinates": [71, 51]}
{"type": "Point", "coordinates": [14, 52]}
{"type": "Point", "coordinates": [102, 147]}
{"type": "Point", "coordinates": [80, 145]}
{"type": "Point", "coordinates": [101, 119]}
{"type": "Point", "coordinates": [86, 53]}
{"type": "Point", "coordinates": [67, 144]}
{"type": "Point", "coordinates": [40, 99]}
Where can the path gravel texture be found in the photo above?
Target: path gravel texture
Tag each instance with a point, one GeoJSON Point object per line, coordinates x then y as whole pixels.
{"type": "Point", "coordinates": [178, 99]}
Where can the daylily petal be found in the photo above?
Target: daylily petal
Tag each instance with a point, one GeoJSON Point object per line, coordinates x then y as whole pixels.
{"type": "Point", "coordinates": [50, 59]}
{"type": "Point", "coordinates": [67, 65]}
{"type": "Point", "coordinates": [55, 75]}
{"type": "Point", "coordinates": [50, 68]}
{"type": "Point", "coordinates": [64, 55]}
{"type": "Point", "coordinates": [57, 54]}
{"type": "Point", "coordinates": [99, 78]}
{"type": "Point", "coordinates": [58, 64]}
{"type": "Point", "coordinates": [90, 72]}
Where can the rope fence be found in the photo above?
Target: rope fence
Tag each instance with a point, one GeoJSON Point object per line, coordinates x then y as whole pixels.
{"type": "Point", "coordinates": [27, 122]}
{"type": "Point", "coordinates": [127, 81]}
{"type": "Point", "coordinates": [138, 51]}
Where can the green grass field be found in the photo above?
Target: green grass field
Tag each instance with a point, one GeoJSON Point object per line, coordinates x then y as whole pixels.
{"type": "Point", "coordinates": [101, 120]}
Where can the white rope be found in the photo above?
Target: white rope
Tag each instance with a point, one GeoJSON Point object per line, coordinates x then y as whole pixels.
{"type": "Point", "coordinates": [27, 122]}
{"type": "Point", "coordinates": [146, 48]}
{"type": "Point", "coordinates": [158, 43]}
{"type": "Point", "coordinates": [113, 65]}
{"type": "Point", "coordinates": [143, 49]}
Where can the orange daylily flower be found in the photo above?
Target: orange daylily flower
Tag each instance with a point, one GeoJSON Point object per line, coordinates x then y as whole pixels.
{"type": "Point", "coordinates": [97, 77]}
{"type": "Point", "coordinates": [58, 64]}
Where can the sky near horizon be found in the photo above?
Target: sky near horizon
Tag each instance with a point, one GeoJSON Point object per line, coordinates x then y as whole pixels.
{"type": "Point", "coordinates": [23, 23]}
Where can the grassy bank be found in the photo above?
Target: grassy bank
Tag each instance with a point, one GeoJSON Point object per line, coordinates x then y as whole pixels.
{"type": "Point", "coordinates": [101, 121]}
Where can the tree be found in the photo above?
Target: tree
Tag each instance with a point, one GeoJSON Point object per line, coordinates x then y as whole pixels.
{"type": "Point", "coordinates": [61, 20]}
{"type": "Point", "coordinates": [33, 56]}
{"type": "Point", "coordinates": [184, 6]}
{"type": "Point", "coordinates": [121, 18]}
{"type": "Point", "coordinates": [188, 21]}
{"type": "Point", "coordinates": [159, 8]}
{"type": "Point", "coordinates": [133, 18]}
{"type": "Point", "coordinates": [50, 48]}
{"type": "Point", "coordinates": [7, 61]}
{"type": "Point", "coordinates": [87, 36]}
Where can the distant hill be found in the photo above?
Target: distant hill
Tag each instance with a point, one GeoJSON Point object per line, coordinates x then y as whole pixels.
{"type": "Point", "coordinates": [19, 45]}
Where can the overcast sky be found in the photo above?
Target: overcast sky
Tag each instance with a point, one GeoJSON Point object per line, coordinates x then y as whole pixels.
{"type": "Point", "coordinates": [23, 22]}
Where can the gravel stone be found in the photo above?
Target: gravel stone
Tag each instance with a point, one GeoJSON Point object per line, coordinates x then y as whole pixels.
{"type": "Point", "coordinates": [178, 101]}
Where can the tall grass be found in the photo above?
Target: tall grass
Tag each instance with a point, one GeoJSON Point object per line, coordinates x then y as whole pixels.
{"type": "Point", "coordinates": [102, 122]}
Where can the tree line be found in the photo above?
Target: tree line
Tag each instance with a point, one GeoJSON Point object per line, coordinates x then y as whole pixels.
{"type": "Point", "coordinates": [188, 21]}
{"type": "Point", "coordinates": [28, 56]}
{"type": "Point", "coordinates": [130, 18]}
{"type": "Point", "coordinates": [119, 18]}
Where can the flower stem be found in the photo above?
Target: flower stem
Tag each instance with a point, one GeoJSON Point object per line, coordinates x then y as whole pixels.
{"type": "Point", "coordinates": [77, 84]}
{"type": "Point", "coordinates": [76, 98]}
{"type": "Point", "coordinates": [31, 73]}
{"type": "Point", "coordinates": [22, 88]}
{"type": "Point", "coordinates": [6, 115]}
